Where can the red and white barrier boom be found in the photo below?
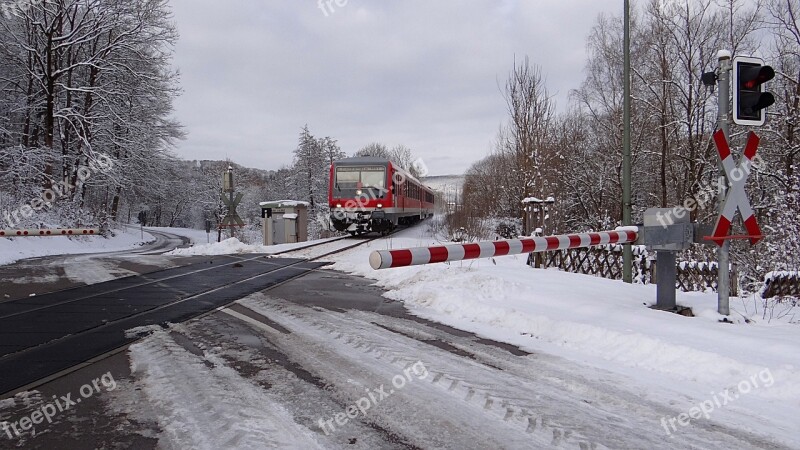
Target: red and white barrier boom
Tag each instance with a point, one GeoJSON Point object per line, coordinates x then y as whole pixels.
{"type": "Point", "coordinates": [386, 259]}
{"type": "Point", "coordinates": [50, 232]}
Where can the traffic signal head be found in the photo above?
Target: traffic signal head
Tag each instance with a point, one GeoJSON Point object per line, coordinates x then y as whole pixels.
{"type": "Point", "coordinates": [749, 97]}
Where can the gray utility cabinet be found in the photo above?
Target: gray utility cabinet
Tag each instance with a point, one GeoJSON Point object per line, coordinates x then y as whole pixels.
{"type": "Point", "coordinates": [285, 221]}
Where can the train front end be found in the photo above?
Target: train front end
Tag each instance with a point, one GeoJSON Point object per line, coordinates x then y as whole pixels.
{"type": "Point", "coordinates": [360, 195]}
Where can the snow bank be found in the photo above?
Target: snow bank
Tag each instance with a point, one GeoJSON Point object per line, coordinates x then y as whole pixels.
{"type": "Point", "coordinates": [232, 246]}
{"type": "Point", "coordinates": [285, 203]}
{"type": "Point", "coordinates": [229, 246]}
{"type": "Point", "coordinates": [15, 249]}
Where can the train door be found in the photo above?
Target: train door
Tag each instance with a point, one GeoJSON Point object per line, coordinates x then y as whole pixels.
{"type": "Point", "coordinates": [405, 195]}
{"type": "Point", "coordinates": [395, 193]}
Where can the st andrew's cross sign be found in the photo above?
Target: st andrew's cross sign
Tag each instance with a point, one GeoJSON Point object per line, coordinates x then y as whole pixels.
{"type": "Point", "coordinates": [736, 198]}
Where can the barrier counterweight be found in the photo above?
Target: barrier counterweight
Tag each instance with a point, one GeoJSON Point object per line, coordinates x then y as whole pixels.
{"type": "Point", "coordinates": [386, 259]}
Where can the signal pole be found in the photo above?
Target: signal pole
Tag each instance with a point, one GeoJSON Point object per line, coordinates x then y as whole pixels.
{"type": "Point", "coordinates": [627, 255]}
{"type": "Point", "coordinates": [723, 252]}
{"type": "Point", "coordinates": [231, 219]}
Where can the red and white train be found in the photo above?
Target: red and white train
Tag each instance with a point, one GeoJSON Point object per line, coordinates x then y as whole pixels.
{"type": "Point", "coordinates": [375, 194]}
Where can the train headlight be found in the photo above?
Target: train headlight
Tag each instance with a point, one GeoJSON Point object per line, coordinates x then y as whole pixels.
{"type": "Point", "coordinates": [358, 192]}
{"type": "Point", "coordinates": [338, 205]}
{"type": "Point", "coordinates": [380, 205]}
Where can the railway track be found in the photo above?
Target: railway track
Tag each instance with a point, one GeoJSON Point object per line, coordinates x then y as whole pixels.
{"type": "Point", "coordinates": [48, 336]}
{"type": "Point", "coordinates": [329, 248]}
{"type": "Point", "coordinates": [310, 251]}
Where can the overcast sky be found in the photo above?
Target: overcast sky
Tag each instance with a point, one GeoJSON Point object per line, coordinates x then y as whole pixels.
{"type": "Point", "coordinates": [423, 73]}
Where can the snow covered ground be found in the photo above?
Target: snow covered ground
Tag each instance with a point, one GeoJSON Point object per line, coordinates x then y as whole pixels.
{"type": "Point", "coordinates": [194, 236]}
{"type": "Point", "coordinates": [15, 249]}
{"type": "Point", "coordinates": [233, 245]}
{"type": "Point", "coordinates": [744, 374]}
{"type": "Point", "coordinates": [129, 237]}
{"type": "Point", "coordinates": [260, 422]}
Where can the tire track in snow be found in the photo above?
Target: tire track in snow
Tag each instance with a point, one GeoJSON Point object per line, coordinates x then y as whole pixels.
{"type": "Point", "coordinates": [549, 408]}
{"type": "Point", "coordinates": [464, 400]}
{"type": "Point", "coordinates": [209, 406]}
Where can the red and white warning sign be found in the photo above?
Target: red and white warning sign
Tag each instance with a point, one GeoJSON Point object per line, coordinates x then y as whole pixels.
{"type": "Point", "coordinates": [736, 198]}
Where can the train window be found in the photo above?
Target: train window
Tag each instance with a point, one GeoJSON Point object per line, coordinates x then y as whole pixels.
{"type": "Point", "coordinates": [346, 178]}
{"type": "Point", "coordinates": [373, 178]}
{"type": "Point", "coordinates": [349, 178]}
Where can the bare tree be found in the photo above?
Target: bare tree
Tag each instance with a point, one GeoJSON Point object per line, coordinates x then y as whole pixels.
{"type": "Point", "coordinates": [530, 109]}
{"type": "Point", "coordinates": [374, 149]}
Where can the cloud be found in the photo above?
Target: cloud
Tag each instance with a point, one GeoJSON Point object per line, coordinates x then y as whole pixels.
{"type": "Point", "coordinates": [419, 73]}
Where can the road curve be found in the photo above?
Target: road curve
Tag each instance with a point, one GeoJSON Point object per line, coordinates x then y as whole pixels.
{"type": "Point", "coordinates": [165, 242]}
{"type": "Point", "coordinates": [36, 276]}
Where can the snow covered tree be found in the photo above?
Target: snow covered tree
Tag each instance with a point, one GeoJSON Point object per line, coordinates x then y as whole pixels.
{"type": "Point", "coordinates": [331, 149]}
{"type": "Point", "coordinates": [310, 170]}
{"type": "Point", "coordinates": [89, 80]}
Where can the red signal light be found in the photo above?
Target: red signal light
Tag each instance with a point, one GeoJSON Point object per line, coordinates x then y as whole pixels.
{"type": "Point", "coordinates": [749, 96]}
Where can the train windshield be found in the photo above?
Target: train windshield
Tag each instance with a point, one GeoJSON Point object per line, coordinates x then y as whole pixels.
{"type": "Point", "coordinates": [361, 177]}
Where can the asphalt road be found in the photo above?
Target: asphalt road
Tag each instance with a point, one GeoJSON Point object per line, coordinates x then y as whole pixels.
{"type": "Point", "coordinates": [287, 367]}
{"type": "Point", "coordinates": [36, 276]}
{"type": "Point", "coordinates": [43, 335]}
